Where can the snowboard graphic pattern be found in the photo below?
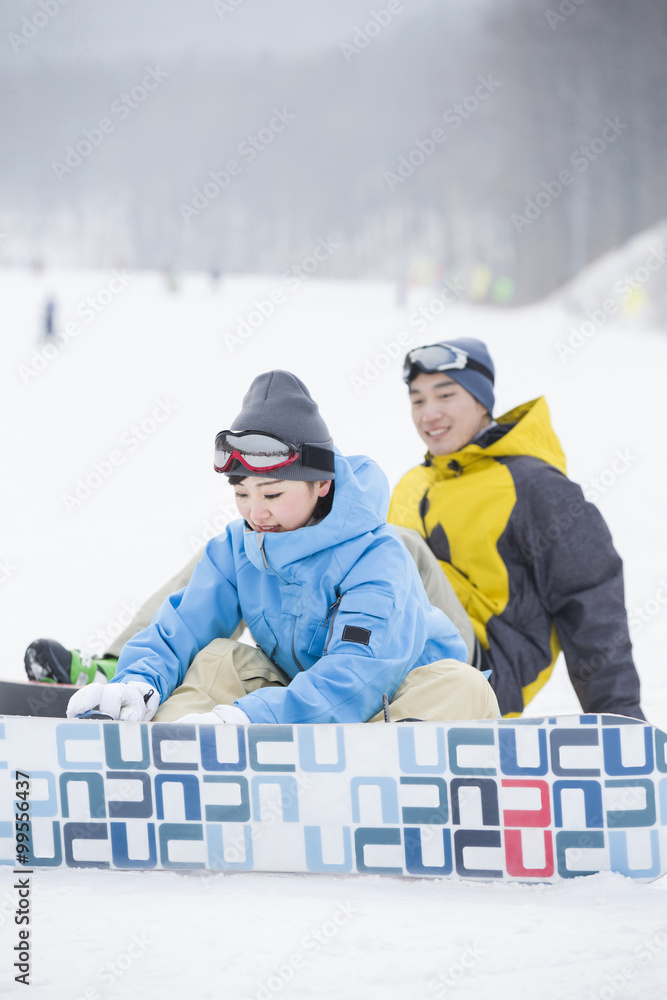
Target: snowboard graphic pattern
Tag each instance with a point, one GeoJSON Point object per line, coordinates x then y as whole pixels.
{"type": "Point", "coordinates": [519, 800]}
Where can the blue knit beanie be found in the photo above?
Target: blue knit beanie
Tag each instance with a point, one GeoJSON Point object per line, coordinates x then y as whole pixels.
{"type": "Point", "coordinates": [477, 384]}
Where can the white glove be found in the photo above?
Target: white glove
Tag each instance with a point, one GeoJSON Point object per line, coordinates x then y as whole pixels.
{"type": "Point", "coordinates": [221, 713]}
{"type": "Point", "coordinates": [131, 702]}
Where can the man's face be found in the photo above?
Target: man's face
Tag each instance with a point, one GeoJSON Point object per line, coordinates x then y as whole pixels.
{"type": "Point", "coordinates": [446, 416]}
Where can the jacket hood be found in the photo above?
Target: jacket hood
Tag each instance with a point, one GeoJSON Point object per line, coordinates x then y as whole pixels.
{"type": "Point", "coordinates": [360, 505]}
{"type": "Point", "coordinates": [529, 432]}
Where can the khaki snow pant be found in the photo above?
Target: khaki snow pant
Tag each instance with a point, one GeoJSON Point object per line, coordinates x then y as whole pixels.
{"type": "Point", "coordinates": [439, 591]}
{"type": "Point", "coordinates": [226, 670]}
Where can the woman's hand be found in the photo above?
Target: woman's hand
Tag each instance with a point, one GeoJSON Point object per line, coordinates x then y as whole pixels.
{"type": "Point", "coordinates": [221, 713]}
{"type": "Point", "coordinates": [131, 702]}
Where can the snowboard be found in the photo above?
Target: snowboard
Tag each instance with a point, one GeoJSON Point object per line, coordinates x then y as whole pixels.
{"type": "Point", "coordinates": [35, 698]}
{"type": "Point", "coordinates": [528, 800]}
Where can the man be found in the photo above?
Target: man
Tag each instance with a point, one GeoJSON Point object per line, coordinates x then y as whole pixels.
{"type": "Point", "coordinates": [529, 558]}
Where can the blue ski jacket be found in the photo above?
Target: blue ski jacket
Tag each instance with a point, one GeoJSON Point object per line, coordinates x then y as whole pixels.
{"type": "Point", "coordinates": [339, 606]}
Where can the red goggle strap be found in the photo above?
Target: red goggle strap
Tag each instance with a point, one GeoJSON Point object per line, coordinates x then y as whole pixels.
{"type": "Point", "coordinates": [312, 457]}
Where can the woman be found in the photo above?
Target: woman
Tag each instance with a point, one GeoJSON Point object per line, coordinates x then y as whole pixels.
{"type": "Point", "coordinates": [329, 592]}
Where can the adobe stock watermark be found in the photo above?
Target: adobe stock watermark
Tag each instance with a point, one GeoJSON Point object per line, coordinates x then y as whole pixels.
{"type": "Point", "coordinates": [396, 348]}
{"type": "Point", "coordinates": [121, 108]}
{"type": "Point", "coordinates": [264, 308]}
{"type": "Point", "coordinates": [624, 288]}
{"type": "Point", "coordinates": [619, 980]}
{"type": "Point", "coordinates": [224, 7]}
{"type": "Point", "coordinates": [7, 570]}
{"type": "Point", "coordinates": [450, 978]}
{"type": "Point", "coordinates": [561, 522]}
{"type": "Point", "coordinates": [640, 615]}
{"type": "Point", "coordinates": [454, 116]}
{"type": "Point", "coordinates": [7, 908]}
{"type": "Point", "coordinates": [566, 9]}
{"type": "Point", "coordinates": [215, 526]}
{"type": "Point", "coordinates": [88, 309]}
{"type": "Point", "coordinates": [365, 33]}
{"type": "Point", "coordinates": [311, 944]}
{"type": "Point", "coordinates": [33, 25]}
{"type": "Point", "coordinates": [580, 158]}
{"type": "Point", "coordinates": [235, 845]}
{"type": "Point", "coordinates": [130, 442]}
{"type": "Point", "coordinates": [99, 641]}
{"type": "Point", "coordinates": [598, 485]}
{"type": "Point", "coordinates": [248, 150]}
{"type": "Point", "coordinates": [585, 669]}
{"type": "Point", "coordinates": [113, 971]}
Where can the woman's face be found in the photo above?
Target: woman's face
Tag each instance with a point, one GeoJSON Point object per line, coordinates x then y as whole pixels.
{"type": "Point", "coordinates": [278, 504]}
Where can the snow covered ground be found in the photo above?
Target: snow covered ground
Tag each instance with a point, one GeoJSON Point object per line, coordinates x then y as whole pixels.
{"type": "Point", "coordinates": [108, 487]}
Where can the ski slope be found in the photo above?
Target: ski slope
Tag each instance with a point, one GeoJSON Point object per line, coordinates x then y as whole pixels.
{"type": "Point", "coordinates": [108, 487]}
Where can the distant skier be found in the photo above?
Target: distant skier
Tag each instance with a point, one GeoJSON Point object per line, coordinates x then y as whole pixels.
{"type": "Point", "coordinates": [48, 326]}
{"type": "Point", "coordinates": [331, 595]}
{"type": "Point", "coordinates": [172, 280]}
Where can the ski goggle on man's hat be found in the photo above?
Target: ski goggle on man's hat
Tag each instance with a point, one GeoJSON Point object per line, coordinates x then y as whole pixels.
{"type": "Point", "coordinates": [465, 360]}
{"type": "Point", "coordinates": [279, 428]}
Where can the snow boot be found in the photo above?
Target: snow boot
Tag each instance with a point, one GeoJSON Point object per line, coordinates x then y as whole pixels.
{"type": "Point", "coordinates": [47, 660]}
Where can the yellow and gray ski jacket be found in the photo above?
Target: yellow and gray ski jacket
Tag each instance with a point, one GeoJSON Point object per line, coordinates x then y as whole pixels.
{"type": "Point", "coordinates": [530, 559]}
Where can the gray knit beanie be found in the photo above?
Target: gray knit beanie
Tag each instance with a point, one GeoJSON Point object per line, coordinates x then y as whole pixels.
{"type": "Point", "coordinates": [279, 403]}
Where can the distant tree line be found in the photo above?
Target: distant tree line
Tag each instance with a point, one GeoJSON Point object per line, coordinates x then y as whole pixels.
{"type": "Point", "coordinates": [504, 151]}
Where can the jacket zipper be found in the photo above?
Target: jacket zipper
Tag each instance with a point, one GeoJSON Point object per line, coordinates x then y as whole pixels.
{"type": "Point", "coordinates": [294, 656]}
{"type": "Point", "coordinates": [331, 617]}
{"type": "Point", "coordinates": [331, 613]}
{"type": "Point", "coordinates": [268, 566]}
{"type": "Point", "coordinates": [423, 507]}
{"type": "Point", "coordinates": [261, 549]}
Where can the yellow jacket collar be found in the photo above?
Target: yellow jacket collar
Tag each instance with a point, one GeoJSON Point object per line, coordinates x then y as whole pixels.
{"type": "Point", "coordinates": [531, 435]}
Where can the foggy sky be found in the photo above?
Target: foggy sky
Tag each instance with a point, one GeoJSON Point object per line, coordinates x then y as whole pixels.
{"type": "Point", "coordinates": [109, 29]}
{"type": "Point", "coordinates": [357, 159]}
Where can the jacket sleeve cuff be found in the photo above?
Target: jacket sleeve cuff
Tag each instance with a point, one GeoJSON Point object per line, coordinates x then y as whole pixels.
{"type": "Point", "coordinates": [256, 709]}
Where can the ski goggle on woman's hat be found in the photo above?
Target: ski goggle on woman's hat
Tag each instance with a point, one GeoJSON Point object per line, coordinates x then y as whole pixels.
{"type": "Point", "coordinates": [283, 413]}
{"type": "Point", "coordinates": [466, 360]}
{"type": "Point", "coordinates": [258, 451]}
